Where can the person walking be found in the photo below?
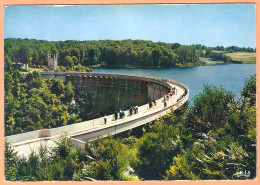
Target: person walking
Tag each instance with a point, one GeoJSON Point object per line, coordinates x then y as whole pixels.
{"type": "Point", "coordinates": [131, 111]}
{"type": "Point", "coordinates": [150, 105]}
{"type": "Point", "coordinates": [115, 115]}
{"type": "Point", "coordinates": [120, 114]}
{"type": "Point", "coordinates": [105, 119]}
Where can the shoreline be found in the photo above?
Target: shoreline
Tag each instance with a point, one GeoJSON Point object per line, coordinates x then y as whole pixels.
{"type": "Point", "coordinates": [143, 67]}
{"type": "Point", "coordinates": [162, 67]}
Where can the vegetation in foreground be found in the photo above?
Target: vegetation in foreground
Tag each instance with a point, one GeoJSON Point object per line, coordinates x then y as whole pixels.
{"type": "Point", "coordinates": [33, 102]}
{"type": "Point", "coordinates": [213, 138]}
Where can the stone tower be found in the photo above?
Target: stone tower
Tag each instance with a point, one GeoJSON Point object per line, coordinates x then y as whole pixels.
{"type": "Point", "coordinates": [53, 62]}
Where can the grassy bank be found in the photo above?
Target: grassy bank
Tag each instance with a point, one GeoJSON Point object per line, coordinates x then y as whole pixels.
{"type": "Point", "coordinates": [243, 57]}
{"type": "Point", "coordinates": [209, 61]}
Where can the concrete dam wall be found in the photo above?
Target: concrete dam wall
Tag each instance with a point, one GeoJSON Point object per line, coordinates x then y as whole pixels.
{"type": "Point", "coordinates": [106, 95]}
{"type": "Point", "coordinates": [102, 94]}
{"type": "Point", "coordinates": [154, 88]}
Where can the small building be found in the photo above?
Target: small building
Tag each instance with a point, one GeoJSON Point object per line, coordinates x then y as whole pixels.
{"type": "Point", "coordinates": [53, 60]}
{"type": "Point", "coordinates": [20, 66]}
{"type": "Point", "coordinates": [103, 64]}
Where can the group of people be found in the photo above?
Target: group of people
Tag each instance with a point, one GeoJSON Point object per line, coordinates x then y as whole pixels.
{"type": "Point", "coordinates": [173, 91]}
{"type": "Point", "coordinates": [121, 114]}
{"type": "Point", "coordinates": [166, 98]}
{"type": "Point", "coordinates": [133, 110]}
{"type": "Point", "coordinates": [152, 104]}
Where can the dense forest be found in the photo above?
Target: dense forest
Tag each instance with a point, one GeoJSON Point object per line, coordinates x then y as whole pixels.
{"type": "Point", "coordinates": [33, 102]}
{"type": "Point", "coordinates": [78, 55]}
{"type": "Point", "coordinates": [212, 138]}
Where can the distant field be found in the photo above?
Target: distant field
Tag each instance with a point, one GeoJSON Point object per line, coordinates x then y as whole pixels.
{"type": "Point", "coordinates": [216, 51]}
{"type": "Point", "coordinates": [244, 57]}
{"type": "Point", "coordinates": [209, 61]}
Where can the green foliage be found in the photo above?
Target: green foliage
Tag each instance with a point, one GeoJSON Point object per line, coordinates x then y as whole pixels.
{"type": "Point", "coordinates": [217, 56]}
{"type": "Point", "coordinates": [221, 152]}
{"type": "Point", "coordinates": [32, 102]}
{"type": "Point", "coordinates": [10, 162]}
{"type": "Point", "coordinates": [173, 147]}
{"type": "Point", "coordinates": [187, 54]}
{"type": "Point", "coordinates": [58, 163]}
{"type": "Point", "coordinates": [125, 53]}
{"type": "Point", "coordinates": [249, 90]}
{"type": "Point", "coordinates": [210, 109]}
{"type": "Point", "coordinates": [112, 160]}
{"type": "Point", "coordinates": [63, 148]}
{"type": "Point", "coordinates": [7, 63]}
{"type": "Point", "coordinates": [81, 68]}
{"type": "Point", "coordinates": [76, 55]}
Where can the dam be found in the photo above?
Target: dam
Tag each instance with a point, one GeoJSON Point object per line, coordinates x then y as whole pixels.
{"type": "Point", "coordinates": [101, 95]}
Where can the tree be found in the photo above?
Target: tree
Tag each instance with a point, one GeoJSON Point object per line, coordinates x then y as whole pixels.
{"type": "Point", "coordinates": [68, 61]}
{"type": "Point", "coordinates": [210, 109]}
{"type": "Point", "coordinates": [32, 102]}
{"type": "Point", "coordinates": [11, 160]}
{"type": "Point", "coordinates": [7, 63]}
{"type": "Point", "coordinates": [75, 60]}
{"type": "Point", "coordinates": [56, 86]}
{"type": "Point", "coordinates": [249, 90]}
{"type": "Point", "coordinates": [23, 54]}
{"type": "Point", "coordinates": [35, 58]}
{"type": "Point", "coordinates": [175, 45]}
{"type": "Point", "coordinates": [112, 160]}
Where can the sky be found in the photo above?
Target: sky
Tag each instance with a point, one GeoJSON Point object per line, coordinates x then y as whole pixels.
{"type": "Point", "coordinates": [206, 24]}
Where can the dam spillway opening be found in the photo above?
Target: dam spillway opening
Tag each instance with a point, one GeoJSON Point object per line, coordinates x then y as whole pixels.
{"type": "Point", "coordinates": [101, 95]}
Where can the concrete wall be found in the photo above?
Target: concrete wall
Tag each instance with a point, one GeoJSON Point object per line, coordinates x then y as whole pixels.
{"type": "Point", "coordinates": [93, 128]}
{"type": "Point", "coordinates": [105, 95]}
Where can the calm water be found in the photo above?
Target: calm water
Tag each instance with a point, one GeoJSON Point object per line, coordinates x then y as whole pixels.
{"type": "Point", "coordinates": [231, 76]}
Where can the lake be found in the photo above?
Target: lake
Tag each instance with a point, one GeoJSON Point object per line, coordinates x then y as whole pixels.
{"type": "Point", "coordinates": [231, 76]}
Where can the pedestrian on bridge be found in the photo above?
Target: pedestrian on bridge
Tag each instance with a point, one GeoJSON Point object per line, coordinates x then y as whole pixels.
{"type": "Point", "coordinates": [105, 119]}
{"type": "Point", "coordinates": [131, 111]}
{"type": "Point", "coordinates": [115, 115]}
{"type": "Point", "coordinates": [165, 104]}
{"type": "Point", "coordinates": [150, 105]}
{"type": "Point", "coordinates": [120, 114]}
{"type": "Point", "coordinates": [136, 109]}
{"type": "Point", "coordinates": [173, 90]}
